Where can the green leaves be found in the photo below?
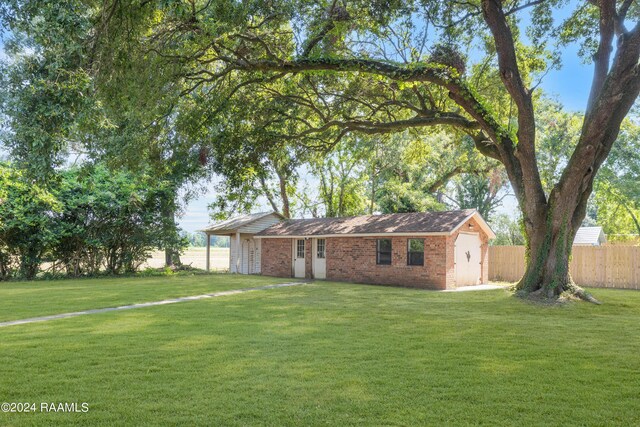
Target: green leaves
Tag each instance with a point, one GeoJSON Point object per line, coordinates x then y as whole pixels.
{"type": "Point", "coordinates": [46, 88]}
{"type": "Point", "coordinates": [582, 27]}
{"type": "Point", "coordinates": [617, 195]}
{"type": "Point", "coordinates": [93, 220]}
{"type": "Point", "coordinates": [27, 214]}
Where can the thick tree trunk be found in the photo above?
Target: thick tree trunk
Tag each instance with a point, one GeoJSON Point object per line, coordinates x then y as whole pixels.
{"type": "Point", "coordinates": [548, 250]}
{"type": "Point", "coordinates": [549, 240]}
{"type": "Point", "coordinates": [171, 256]}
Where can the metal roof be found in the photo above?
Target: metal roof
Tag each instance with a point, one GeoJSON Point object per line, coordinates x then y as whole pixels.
{"type": "Point", "coordinates": [231, 225]}
{"type": "Point", "coordinates": [593, 236]}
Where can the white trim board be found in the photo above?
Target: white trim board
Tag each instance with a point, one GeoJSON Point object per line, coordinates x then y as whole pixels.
{"type": "Point", "coordinates": [322, 236]}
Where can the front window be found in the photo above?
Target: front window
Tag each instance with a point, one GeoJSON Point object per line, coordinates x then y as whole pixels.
{"type": "Point", "coordinates": [383, 255]}
{"type": "Point", "coordinates": [321, 246]}
{"type": "Point", "coordinates": [415, 252]}
{"type": "Point", "coordinates": [300, 248]}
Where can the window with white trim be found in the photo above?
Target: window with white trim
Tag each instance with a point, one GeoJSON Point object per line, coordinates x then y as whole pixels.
{"type": "Point", "coordinates": [320, 253]}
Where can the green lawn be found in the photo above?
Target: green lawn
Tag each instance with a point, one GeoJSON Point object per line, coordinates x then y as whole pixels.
{"type": "Point", "coordinates": [20, 300]}
{"type": "Point", "coordinates": [330, 354]}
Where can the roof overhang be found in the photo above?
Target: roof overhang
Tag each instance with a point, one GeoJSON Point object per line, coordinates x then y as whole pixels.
{"type": "Point", "coordinates": [217, 232]}
{"type": "Point", "coordinates": [322, 236]}
{"type": "Point", "coordinates": [212, 231]}
{"type": "Point", "coordinates": [481, 222]}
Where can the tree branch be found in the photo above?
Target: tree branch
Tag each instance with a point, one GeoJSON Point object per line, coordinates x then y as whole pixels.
{"type": "Point", "coordinates": [509, 69]}
{"type": "Point", "coordinates": [622, 15]}
{"type": "Point", "coordinates": [438, 183]}
{"type": "Point", "coordinates": [512, 79]}
{"type": "Point", "coordinates": [268, 194]}
{"type": "Point", "coordinates": [372, 127]}
{"type": "Point", "coordinates": [317, 38]}
{"type": "Point", "coordinates": [602, 122]}
{"type": "Point", "coordinates": [602, 56]}
{"type": "Point", "coordinates": [432, 73]}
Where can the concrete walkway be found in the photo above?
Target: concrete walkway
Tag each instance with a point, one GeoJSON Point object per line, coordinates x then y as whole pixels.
{"type": "Point", "coordinates": [475, 288]}
{"type": "Point", "coordinates": [145, 304]}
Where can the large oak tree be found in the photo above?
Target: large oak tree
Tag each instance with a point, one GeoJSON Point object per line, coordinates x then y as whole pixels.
{"type": "Point", "coordinates": [386, 66]}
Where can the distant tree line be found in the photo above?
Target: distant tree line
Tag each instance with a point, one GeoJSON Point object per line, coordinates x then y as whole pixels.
{"type": "Point", "coordinates": [86, 221]}
{"type": "Point", "coordinates": [199, 240]}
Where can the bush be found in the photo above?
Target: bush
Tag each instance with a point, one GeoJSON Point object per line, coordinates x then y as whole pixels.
{"type": "Point", "coordinates": [26, 224]}
{"type": "Point", "coordinates": [92, 220]}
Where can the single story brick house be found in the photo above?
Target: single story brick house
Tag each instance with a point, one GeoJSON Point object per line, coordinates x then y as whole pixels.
{"type": "Point", "coordinates": [435, 250]}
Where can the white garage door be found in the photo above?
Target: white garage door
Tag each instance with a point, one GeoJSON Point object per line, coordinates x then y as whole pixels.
{"type": "Point", "coordinates": [468, 259]}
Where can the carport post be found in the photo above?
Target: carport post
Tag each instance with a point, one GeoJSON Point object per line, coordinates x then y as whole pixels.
{"type": "Point", "coordinates": [208, 250]}
{"type": "Point", "coordinates": [238, 253]}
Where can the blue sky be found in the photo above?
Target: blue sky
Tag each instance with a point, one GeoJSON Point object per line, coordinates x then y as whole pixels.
{"type": "Point", "coordinates": [570, 84]}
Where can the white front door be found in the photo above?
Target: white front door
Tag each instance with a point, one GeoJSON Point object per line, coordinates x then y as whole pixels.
{"type": "Point", "coordinates": [468, 259]}
{"type": "Point", "coordinates": [319, 250]}
{"type": "Point", "coordinates": [298, 258]}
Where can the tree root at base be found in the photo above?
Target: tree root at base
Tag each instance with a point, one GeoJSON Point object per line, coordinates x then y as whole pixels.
{"type": "Point", "coordinates": [578, 292]}
{"type": "Point", "coordinates": [571, 292]}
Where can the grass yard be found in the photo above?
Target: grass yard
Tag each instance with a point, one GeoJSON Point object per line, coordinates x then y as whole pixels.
{"type": "Point", "coordinates": [325, 353]}
{"type": "Point", "coordinates": [20, 300]}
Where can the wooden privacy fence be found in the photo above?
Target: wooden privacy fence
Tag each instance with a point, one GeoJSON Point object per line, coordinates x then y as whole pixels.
{"type": "Point", "coordinates": [593, 266]}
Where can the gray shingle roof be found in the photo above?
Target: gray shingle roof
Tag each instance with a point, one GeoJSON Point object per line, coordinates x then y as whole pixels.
{"type": "Point", "coordinates": [419, 222]}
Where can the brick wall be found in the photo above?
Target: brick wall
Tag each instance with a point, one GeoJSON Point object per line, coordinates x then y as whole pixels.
{"type": "Point", "coordinates": [353, 259]}
{"type": "Point", "coordinates": [276, 257]}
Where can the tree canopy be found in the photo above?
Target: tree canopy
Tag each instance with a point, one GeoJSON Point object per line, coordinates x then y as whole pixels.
{"type": "Point", "coordinates": [261, 78]}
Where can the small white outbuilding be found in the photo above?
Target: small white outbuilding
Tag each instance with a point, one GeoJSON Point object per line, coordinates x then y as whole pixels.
{"type": "Point", "coordinates": [589, 236]}
{"type": "Point", "coordinates": [244, 250]}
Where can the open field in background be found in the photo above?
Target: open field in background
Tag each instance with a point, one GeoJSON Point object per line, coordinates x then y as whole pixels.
{"type": "Point", "coordinates": [196, 257]}
{"type": "Point", "coordinates": [322, 353]}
